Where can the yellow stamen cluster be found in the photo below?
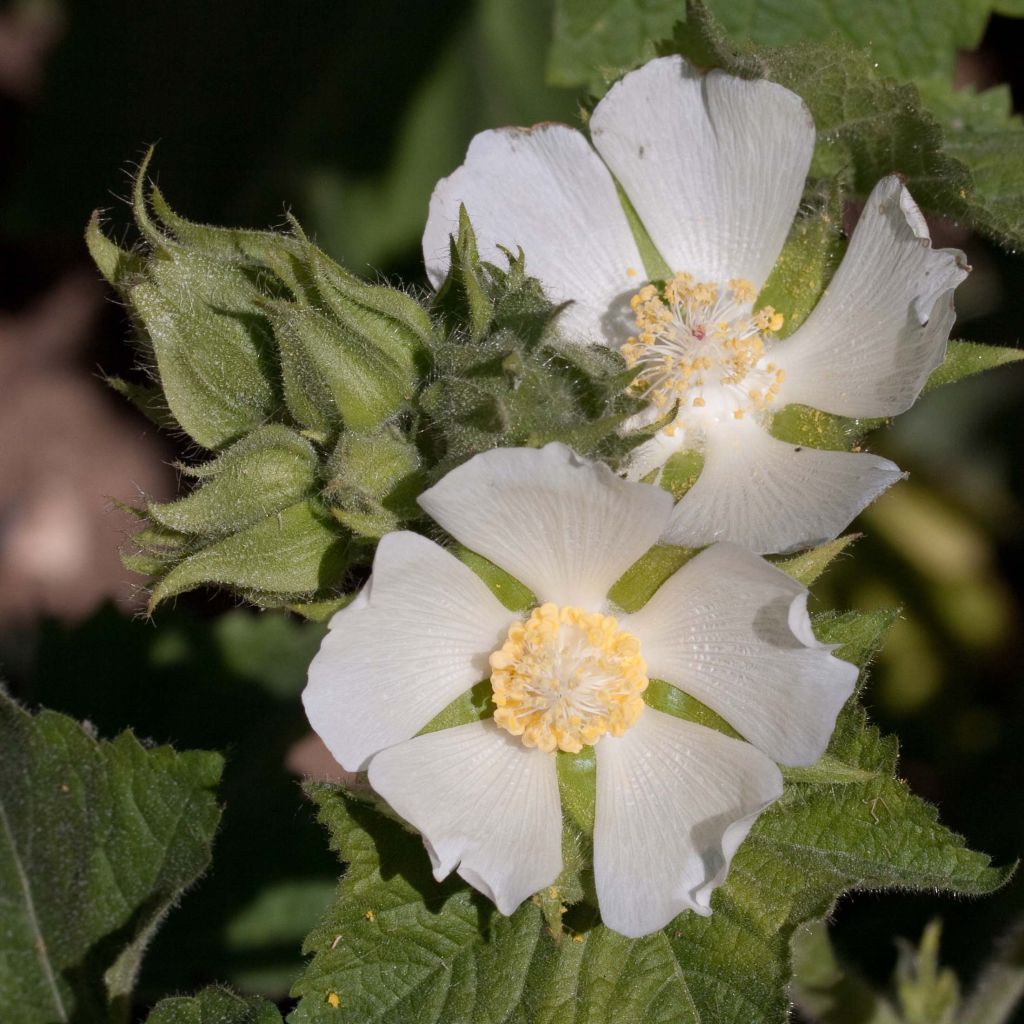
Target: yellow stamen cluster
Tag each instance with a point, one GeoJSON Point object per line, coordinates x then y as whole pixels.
{"type": "Point", "coordinates": [565, 677]}
{"type": "Point", "coordinates": [692, 335]}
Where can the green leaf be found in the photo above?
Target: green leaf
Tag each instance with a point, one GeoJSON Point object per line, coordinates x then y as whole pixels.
{"type": "Point", "coordinates": [214, 1006]}
{"type": "Point", "coordinates": [399, 947]}
{"type": "Point", "coordinates": [594, 42]}
{"type": "Point", "coordinates": [966, 358]}
{"type": "Point", "coordinates": [296, 552]}
{"type": "Point", "coordinates": [838, 59]}
{"type": "Point", "coordinates": [265, 472]}
{"type": "Point", "coordinates": [98, 840]}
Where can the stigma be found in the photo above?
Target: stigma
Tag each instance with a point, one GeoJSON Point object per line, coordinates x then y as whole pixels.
{"type": "Point", "coordinates": [701, 350]}
{"type": "Point", "coordinates": [565, 677]}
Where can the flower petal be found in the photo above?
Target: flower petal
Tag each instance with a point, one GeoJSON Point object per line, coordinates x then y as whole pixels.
{"type": "Point", "coordinates": [713, 164]}
{"type": "Point", "coordinates": [483, 802]}
{"type": "Point", "coordinates": [389, 663]}
{"type": "Point", "coordinates": [769, 495]}
{"type": "Point", "coordinates": [733, 631]}
{"type": "Point", "coordinates": [881, 326]}
{"type": "Point", "coordinates": [674, 802]}
{"type": "Point", "coordinates": [546, 190]}
{"type": "Point", "coordinates": [565, 526]}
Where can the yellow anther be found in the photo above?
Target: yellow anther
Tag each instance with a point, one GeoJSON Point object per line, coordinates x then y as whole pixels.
{"type": "Point", "coordinates": [776, 322]}
{"type": "Point", "coordinates": [630, 271]}
{"type": "Point", "coordinates": [738, 413]}
{"type": "Point", "coordinates": [333, 1000]}
{"type": "Point", "coordinates": [565, 677]}
{"type": "Point", "coordinates": [742, 289]}
{"type": "Point", "coordinates": [370, 916]}
{"type": "Point", "coordinates": [699, 402]}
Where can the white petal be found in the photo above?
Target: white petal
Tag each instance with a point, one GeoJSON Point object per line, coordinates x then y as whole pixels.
{"type": "Point", "coordinates": [566, 527]}
{"type": "Point", "coordinates": [733, 631]}
{"type": "Point", "coordinates": [713, 164]}
{"type": "Point", "coordinates": [674, 802]}
{"type": "Point", "coordinates": [769, 495]}
{"type": "Point", "coordinates": [483, 802]}
{"type": "Point", "coordinates": [881, 326]}
{"type": "Point", "coordinates": [390, 662]}
{"type": "Point", "coordinates": [546, 190]}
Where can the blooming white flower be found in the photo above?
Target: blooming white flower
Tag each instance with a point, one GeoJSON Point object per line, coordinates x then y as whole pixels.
{"type": "Point", "coordinates": [674, 799]}
{"type": "Point", "coordinates": [714, 167]}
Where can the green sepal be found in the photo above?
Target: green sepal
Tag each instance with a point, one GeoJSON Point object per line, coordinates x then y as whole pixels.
{"type": "Point", "coordinates": [147, 398]}
{"type": "Point", "coordinates": [806, 567]}
{"type": "Point", "coordinates": [967, 358]}
{"type": "Point", "coordinates": [515, 596]}
{"type": "Point", "coordinates": [320, 611]}
{"type": "Point", "coordinates": [288, 556]}
{"type": "Point", "coordinates": [340, 371]}
{"type": "Point", "coordinates": [372, 481]}
{"type": "Point", "coordinates": [267, 471]}
{"type": "Point", "coordinates": [463, 297]}
{"type": "Point", "coordinates": [808, 260]}
{"type": "Point", "coordinates": [211, 343]}
{"type": "Point", "coordinates": [118, 266]}
{"type": "Point", "coordinates": [640, 581]}
{"type": "Point", "coordinates": [396, 322]}
{"type": "Point", "coordinates": [255, 250]}
{"type": "Point", "coordinates": [680, 472]}
{"type": "Point", "coordinates": [802, 425]}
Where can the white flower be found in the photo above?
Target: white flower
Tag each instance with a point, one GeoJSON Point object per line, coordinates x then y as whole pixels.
{"type": "Point", "coordinates": [714, 167]}
{"type": "Point", "coordinates": [674, 799]}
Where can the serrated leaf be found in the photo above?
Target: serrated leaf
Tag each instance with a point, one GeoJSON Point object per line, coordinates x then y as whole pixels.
{"type": "Point", "coordinates": [215, 1006]}
{"type": "Point", "coordinates": [98, 840]}
{"type": "Point", "coordinates": [594, 42]}
{"type": "Point", "coordinates": [267, 471]}
{"type": "Point", "coordinates": [399, 947]}
{"type": "Point", "coordinates": [966, 358]}
{"type": "Point", "coordinates": [293, 553]}
{"type": "Point", "coordinates": [907, 38]}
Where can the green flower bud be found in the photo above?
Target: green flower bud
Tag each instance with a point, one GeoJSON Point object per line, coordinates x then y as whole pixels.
{"type": "Point", "coordinates": [373, 480]}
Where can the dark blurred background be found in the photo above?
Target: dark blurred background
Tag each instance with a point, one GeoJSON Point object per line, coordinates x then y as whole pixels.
{"type": "Point", "coordinates": [346, 114]}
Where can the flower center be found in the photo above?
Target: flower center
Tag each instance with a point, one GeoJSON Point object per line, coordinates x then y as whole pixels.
{"type": "Point", "coordinates": [700, 348]}
{"type": "Point", "coordinates": [565, 677]}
